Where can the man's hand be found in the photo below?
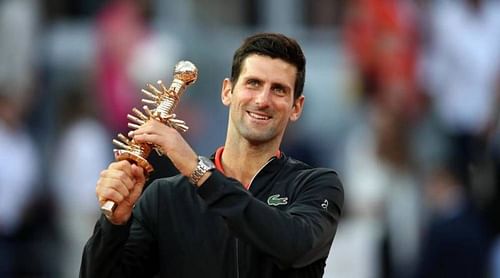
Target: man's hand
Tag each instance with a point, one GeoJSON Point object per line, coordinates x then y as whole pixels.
{"type": "Point", "coordinates": [122, 183]}
{"type": "Point", "coordinates": [171, 143]}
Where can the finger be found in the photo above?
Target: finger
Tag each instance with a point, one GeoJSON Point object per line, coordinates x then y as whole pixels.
{"type": "Point", "coordinates": [135, 192]}
{"type": "Point", "coordinates": [109, 194]}
{"type": "Point", "coordinates": [149, 138]}
{"type": "Point", "coordinates": [138, 174]}
{"type": "Point", "coordinates": [123, 165]}
{"type": "Point", "coordinates": [119, 186]}
{"type": "Point", "coordinates": [105, 183]}
{"type": "Point", "coordinates": [140, 180]}
{"type": "Point", "coordinates": [151, 126]}
{"type": "Point", "coordinates": [119, 176]}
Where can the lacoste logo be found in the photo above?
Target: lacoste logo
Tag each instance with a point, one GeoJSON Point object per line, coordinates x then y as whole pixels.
{"type": "Point", "coordinates": [275, 200]}
{"type": "Point", "coordinates": [324, 205]}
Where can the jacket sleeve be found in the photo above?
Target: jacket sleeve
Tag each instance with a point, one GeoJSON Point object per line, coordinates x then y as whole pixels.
{"type": "Point", "coordinates": [294, 237]}
{"type": "Point", "coordinates": [122, 250]}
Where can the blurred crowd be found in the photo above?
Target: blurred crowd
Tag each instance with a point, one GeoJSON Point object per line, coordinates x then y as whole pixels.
{"type": "Point", "coordinates": [421, 163]}
{"type": "Point", "coordinates": [402, 99]}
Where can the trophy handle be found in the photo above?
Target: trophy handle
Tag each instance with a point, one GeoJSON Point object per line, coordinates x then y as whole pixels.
{"type": "Point", "coordinates": [135, 156]}
{"type": "Point", "coordinates": [108, 208]}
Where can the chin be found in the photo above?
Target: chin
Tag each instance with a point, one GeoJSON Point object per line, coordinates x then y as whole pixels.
{"type": "Point", "coordinates": [257, 135]}
{"type": "Point", "coordinates": [259, 138]}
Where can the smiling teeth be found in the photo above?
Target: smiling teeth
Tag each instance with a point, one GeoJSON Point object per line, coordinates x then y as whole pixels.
{"type": "Point", "coordinates": [259, 117]}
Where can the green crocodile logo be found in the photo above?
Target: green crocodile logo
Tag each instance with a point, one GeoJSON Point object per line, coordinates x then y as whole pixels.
{"type": "Point", "coordinates": [275, 200]}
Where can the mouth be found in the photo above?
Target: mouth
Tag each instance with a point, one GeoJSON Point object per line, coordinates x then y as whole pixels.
{"type": "Point", "coordinates": [258, 116]}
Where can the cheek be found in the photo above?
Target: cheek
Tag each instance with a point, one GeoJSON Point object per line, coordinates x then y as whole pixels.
{"type": "Point", "coordinates": [284, 106]}
{"type": "Point", "coordinates": [244, 96]}
{"type": "Point", "coordinates": [242, 103]}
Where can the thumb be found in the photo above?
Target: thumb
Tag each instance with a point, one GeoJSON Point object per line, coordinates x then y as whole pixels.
{"type": "Point", "coordinates": [138, 175]}
{"type": "Point", "coordinates": [139, 180]}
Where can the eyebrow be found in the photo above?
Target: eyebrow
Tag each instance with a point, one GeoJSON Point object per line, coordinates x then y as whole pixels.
{"type": "Point", "coordinates": [273, 84]}
{"type": "Point", "coordinates": [281, 86]}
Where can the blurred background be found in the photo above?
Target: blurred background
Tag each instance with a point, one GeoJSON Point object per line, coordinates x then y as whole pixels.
{"type": "Point", "coordinates": [402, 99]}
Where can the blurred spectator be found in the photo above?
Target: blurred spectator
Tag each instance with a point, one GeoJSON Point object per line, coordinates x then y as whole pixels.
{"type": "Point", "coordinates": [383, 201]}
{"type": "Point", "coordinates": [84, 148]}
{"type": "Point", "coordinates": [300, 147]}
{"type": "Point", "coordinates": [120, 28]}
{"type": "Point", "coordinates": [20, 181]}
{"type": "Point", "coordinates": [129, 54]}
{"type": "Point", "coordinates": [455, 243]}
{"type": "Point", "coordinates": [25, 223]}
{"type": "Point", "coordinates": [462, 70]}
{"type": "Point", "coordinates": [383, 41]}
{"type": "Point", "coordinates": [382, 38]}
{"type": "Point", "coordinates": [18, 34]}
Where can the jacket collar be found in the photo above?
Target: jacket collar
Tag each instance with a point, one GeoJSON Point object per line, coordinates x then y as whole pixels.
{"type": "Point", "coordinates": [277, 160]}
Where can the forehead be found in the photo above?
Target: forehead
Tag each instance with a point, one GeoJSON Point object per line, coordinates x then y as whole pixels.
{"type": "Point", "coordinates": [274, 70]}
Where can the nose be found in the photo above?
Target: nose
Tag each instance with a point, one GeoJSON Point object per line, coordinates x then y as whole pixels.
{"type": "Point", "coordinates": [262, 97]}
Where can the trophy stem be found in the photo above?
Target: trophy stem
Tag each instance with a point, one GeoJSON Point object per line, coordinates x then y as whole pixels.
{"type": "Point", "coordinates": [166, 107]}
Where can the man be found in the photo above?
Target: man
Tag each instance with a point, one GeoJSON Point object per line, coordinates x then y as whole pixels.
{"type": "Point", "coordinates": [254, 212]}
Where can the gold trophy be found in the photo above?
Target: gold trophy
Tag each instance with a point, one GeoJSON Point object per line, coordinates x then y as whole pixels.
{"type": "Point", "coordinates": [164, 100]}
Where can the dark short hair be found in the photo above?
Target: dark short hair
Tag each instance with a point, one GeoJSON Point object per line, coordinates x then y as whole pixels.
{"type": "Point", "coordinates": [275, 46]}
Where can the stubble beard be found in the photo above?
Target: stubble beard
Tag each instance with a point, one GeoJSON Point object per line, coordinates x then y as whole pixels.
{"type": "Point", "coordinates": [254, 135]}
{"type": "Point", "coordinates": [257, 136]}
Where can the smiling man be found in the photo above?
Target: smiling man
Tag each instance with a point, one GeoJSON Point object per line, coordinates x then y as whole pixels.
{"type": "Point", "coordinates": [248, 211]}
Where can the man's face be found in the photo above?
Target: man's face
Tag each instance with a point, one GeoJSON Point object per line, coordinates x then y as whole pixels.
{"type": "Point", "coordinates": [261, 102]}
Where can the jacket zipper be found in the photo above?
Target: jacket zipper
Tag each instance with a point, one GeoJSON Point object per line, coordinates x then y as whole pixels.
{"type": "Point", "coordinates": [236, 239]}
{"type": "Point", "coordinates": [237, 259]}
{"type": "Point", "coordinates": [269, 161]}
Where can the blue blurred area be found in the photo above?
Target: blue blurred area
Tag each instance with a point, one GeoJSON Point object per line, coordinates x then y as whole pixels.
{"type": "Point", "coordinates": [402, 99]}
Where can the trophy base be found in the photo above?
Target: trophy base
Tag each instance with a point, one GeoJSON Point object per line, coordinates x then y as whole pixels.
{"type": "Point", "coordinates": [130, 156]}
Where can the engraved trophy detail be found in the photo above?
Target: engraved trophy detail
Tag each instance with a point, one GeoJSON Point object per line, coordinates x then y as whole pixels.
{"type": "Point", "coordinates": [163, 101]}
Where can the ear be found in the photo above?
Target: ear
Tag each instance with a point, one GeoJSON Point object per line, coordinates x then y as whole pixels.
{"type": "Point", "coordinates": [226, 92]}
{"type": "Point", "coordinates": [298, 105]}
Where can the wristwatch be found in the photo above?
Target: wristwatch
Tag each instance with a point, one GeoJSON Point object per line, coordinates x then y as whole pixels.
{"type": "Point", "coordinates": [204, 165]}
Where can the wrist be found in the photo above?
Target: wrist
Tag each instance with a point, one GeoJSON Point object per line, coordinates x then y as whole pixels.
{"type": "Point", "coordinates": [202, 171]}
{"type": "Point", "coordinates": [203, 178]}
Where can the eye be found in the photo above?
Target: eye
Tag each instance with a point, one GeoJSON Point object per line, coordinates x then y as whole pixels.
{"type": "Point", "coordinates": [279, 90]}
{"type": "Point", "coordinates": [253, 83]}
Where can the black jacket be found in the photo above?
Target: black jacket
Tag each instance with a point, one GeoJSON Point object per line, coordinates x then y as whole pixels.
{"type": "Point", "coordinates": [283, 226]}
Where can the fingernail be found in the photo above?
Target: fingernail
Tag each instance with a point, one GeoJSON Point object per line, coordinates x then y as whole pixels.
{"type": "Point", "coordinates": [130, 134]}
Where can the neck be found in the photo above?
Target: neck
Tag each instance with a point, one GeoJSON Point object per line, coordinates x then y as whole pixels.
{"type": "Point", "coordinates": [242, 160]}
